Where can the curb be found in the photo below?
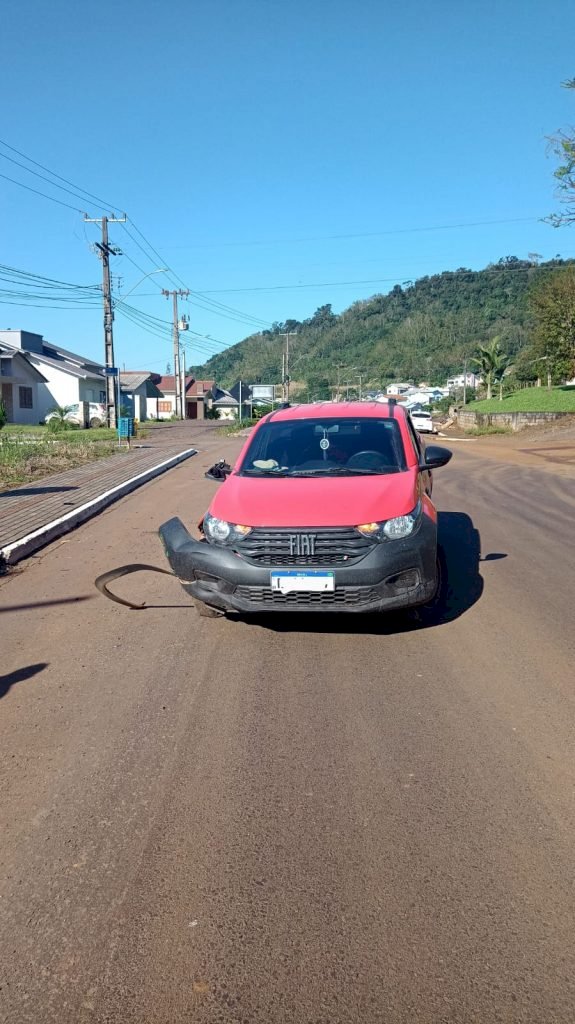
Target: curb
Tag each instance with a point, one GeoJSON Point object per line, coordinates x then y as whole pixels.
{"type": "Point", "coordinates": [12, 553]}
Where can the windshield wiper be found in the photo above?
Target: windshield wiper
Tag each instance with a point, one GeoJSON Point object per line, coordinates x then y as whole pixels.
{"type": "Point", "coordinates": [341, 471]}
{"type": "Point", "coordinates": [265, 472]}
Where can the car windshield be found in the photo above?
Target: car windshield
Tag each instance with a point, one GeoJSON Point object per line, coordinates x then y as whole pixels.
{"type": "Point", "coordinates": [330, 447]}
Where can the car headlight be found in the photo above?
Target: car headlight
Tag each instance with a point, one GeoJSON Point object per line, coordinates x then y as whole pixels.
{"type": "Point", "coordinates": [393, 529]}
{"type": "Point", "coordinates": [218, 531]}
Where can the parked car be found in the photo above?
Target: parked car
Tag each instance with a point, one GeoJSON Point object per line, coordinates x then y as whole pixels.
{"type": "Point", "coordinates": [75, 414]}
{"type": "Point", "coordinates": [423, 422]}
{"type": "Point", "coordinates": [328, 508]}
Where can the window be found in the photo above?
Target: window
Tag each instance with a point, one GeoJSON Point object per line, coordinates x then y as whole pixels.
{"type": "Point", "coordinates": [25, 395]}
{"type": "Point", "coordinates": [164, 406]}
{"type": "Point", "coordinates": [315, 447]}
{"type": "Point", "coordinates": [102, 396]}
{"type": "Point", "coordinates": [5, 367]}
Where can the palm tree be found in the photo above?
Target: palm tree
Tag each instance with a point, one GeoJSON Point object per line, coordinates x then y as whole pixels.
{"type": "Point", "coordinates": [59, 417]}
{"type": "Point", "coordinates": [492, 363]}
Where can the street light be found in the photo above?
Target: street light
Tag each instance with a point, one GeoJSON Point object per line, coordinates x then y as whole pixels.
{"type": "Point", "coordinates": [161, 270]}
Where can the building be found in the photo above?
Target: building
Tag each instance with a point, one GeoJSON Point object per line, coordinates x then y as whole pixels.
{"type": "Point", "coordinates": [67, 378]}
{"type": "Point", "coordinates": [470, 380]}
{"type": "Point", "coordinates": [19, 383]}
{"type": "Point", "coordinates": [197, 397]}
{"type": "Point", "coordinates": [140, 394]}
{"type": "Point", "coordinates": [228, 407]}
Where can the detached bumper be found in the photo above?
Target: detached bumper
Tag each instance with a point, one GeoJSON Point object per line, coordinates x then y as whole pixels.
{"type": "Point", "coordinates": [392, 575]}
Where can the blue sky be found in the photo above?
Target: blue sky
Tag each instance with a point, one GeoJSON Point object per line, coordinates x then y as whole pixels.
{"type": "Point", "coordinates": [277, 154]}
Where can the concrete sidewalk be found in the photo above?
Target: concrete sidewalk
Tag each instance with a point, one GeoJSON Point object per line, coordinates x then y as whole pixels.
{"type": "Point", "coordinates": [34, 514]}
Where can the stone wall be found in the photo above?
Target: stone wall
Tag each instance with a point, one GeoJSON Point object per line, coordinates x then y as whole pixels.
{"type": "Point", "coordinates": [510, 420]}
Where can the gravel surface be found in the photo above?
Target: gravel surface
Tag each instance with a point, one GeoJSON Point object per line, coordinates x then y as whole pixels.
{"type": "Point", "coordinates": [291, 819]}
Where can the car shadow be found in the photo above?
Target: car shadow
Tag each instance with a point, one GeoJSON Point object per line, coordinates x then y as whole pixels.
{"type": "Point", "coordinates": [7, 681]}
{"type": "Point", "coordinates": [461, 588]}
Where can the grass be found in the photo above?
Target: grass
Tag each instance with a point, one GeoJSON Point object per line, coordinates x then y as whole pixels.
{"type": "Point", "coordinates": [529, 400]}
{"type": "Point", "coordinates": [35, 433]}
{"type": "Point", "coordinates": [25, 457]}
{"type": "Point", "coordinates": [230, 427]}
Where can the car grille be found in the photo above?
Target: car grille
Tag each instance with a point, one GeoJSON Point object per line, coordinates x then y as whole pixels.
{"type": "Point", "coordinates": [347, 596]}
{"type": "Point", "coordinates": [340, 546]}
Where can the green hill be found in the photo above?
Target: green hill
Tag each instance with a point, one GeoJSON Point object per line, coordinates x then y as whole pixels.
{"type": "Point", "coordinates": [423, 332]}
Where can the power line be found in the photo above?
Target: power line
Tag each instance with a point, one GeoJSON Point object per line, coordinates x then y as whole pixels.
{"type": "Point", "coordinates": [54, 175]}
{"type": "Point", "coordinates": [43, 177]}
{"type": "Point", "coordinates": [209, 305]}
{"type": "Point", "coordinates": [387, 280]}
{"type": "Point", "coordinates": [362, 234]}
{"type": "Point", "coordinates": [38, 193]}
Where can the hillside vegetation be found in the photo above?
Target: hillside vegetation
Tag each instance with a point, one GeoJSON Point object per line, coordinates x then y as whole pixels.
{"type": "Point", "coordinates": [423, 331]}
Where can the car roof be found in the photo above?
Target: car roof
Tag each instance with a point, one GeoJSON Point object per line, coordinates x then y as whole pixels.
{"type": "Point", "coordinates": [338, 410]}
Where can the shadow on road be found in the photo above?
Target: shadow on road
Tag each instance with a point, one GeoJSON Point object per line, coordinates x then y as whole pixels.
{"type": "Point", "coordinates": [45, 604]}
{"type": "Point", "coordinates": [23, 492]}
{"type": "Point", "coordinates": [7, 681]}
{"type": "Point", "coordinates": [461, 587]}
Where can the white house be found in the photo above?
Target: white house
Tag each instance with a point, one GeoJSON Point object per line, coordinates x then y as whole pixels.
{"type": "Point", "coordinates": [425, 396]}
{"type": "Point", "coordinates": [227, 406]}
{"type": "Point", "coordinates": [140, 394]}
{"type": "Point", "coordinates": [19, 382]}
{"type": "Point", "coordinates": [67, 378]}
{"type": "Point", "coordinates": [471, 380]}
{"type": "Point", "coordinates": [399, 389]}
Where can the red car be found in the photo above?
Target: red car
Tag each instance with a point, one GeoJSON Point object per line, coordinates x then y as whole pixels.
{"type": "Point", "coordinates": [328, 508]}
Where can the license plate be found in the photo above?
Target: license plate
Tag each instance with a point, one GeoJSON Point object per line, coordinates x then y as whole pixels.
{"type": "Point", "coordinates": [291, 580]}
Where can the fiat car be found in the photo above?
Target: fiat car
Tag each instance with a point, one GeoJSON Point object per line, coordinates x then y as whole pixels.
{"type": "Point", "coordinates": [328, 508]}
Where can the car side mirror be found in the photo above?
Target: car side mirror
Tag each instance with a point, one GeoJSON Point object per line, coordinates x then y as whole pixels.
{"type": "Point", "coordinates": [434, 457]}
{"type": "Point", "coordinates": [219, 471]}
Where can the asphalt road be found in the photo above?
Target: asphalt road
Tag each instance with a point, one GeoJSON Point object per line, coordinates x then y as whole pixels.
{"type": "Point", "coordinates": [319, 821]}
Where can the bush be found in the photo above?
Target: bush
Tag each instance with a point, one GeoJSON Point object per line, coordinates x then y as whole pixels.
{"type": "Point", "coordinates": [56, 426]}
{"type": "Point", "coordinates": [3, 414]}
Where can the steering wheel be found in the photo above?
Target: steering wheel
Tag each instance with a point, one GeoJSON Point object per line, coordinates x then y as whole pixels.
{"type": "Point", "coordinates": [365, 458]}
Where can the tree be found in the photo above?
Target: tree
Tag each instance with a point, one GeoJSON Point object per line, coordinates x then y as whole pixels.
{"type": "Point", "coordinates": [59, 417]}
{"type": "Point", "coordinates": [563, 145]}
{"type": "Point", "coordinates": [553, 306]}
{"type": "Point", "coordinates": [492, 363]}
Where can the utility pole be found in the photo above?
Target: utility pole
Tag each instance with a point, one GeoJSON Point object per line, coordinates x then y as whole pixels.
{"type": "Point", "coordinates": [183, 380]}
{"type": "Point", "coordinates": [105, 250]}
{"type": "Point", "coordinates": [285, 374]}
{"type": "Point", "coordinates": [177, 327]}
{"type": "Point", "coordinates": [465, 381]}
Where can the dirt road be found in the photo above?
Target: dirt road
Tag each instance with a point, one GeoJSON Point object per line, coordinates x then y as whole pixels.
{"type": "Point", "coordinates": [293, 820]}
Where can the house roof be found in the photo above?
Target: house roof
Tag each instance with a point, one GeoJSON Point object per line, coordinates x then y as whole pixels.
{"type": "Point", "coordinates": [167, 382]}
{"type": "Point", "coordinates": [17, 356]}
{"type": "Point", "coordinates": [198, 388]}
{"type": "Point", "coordinates": [223, 398]}
{"type": "Point", "coordinates": [134, 378]}
{"type": "Point", "coordinates": [194, 388]}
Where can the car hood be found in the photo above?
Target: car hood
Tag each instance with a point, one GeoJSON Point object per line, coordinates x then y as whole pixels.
{"type": "Point", "coordinates": [313, 501]}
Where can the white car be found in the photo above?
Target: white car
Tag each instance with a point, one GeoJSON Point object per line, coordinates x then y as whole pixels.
{"type": "Point", "coordinates": [423, 422]}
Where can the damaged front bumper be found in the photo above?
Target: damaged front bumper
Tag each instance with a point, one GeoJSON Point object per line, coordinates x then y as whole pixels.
{"type": "Point", "coordinates": [394, 575]}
